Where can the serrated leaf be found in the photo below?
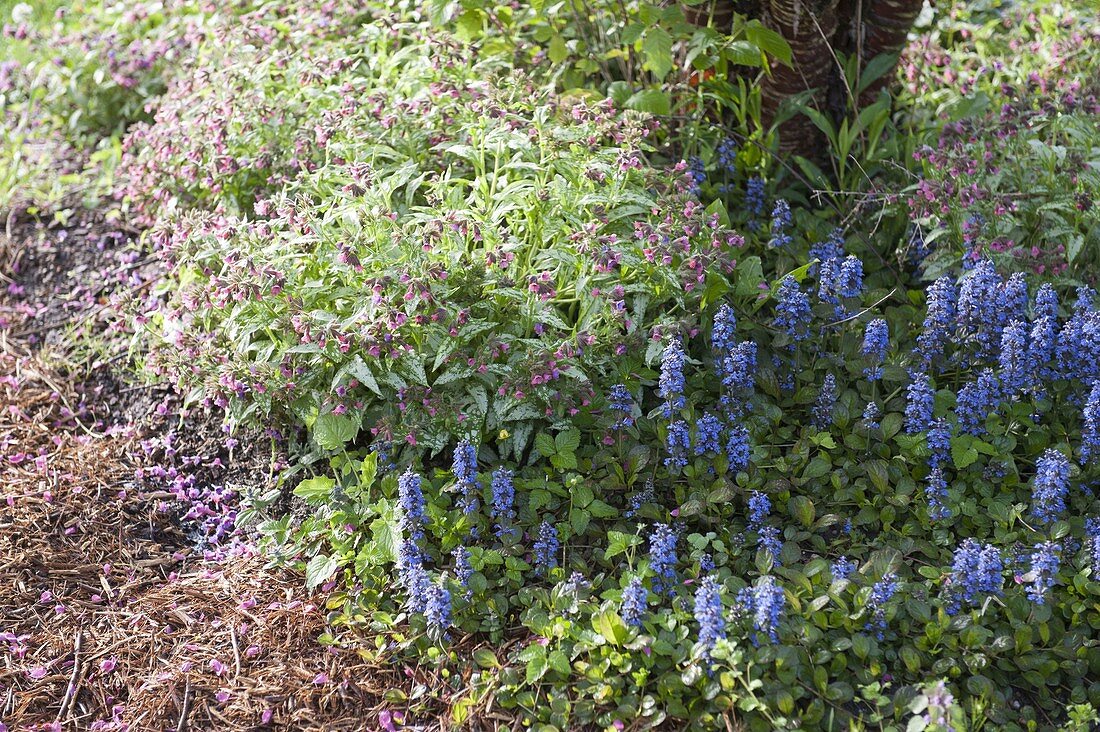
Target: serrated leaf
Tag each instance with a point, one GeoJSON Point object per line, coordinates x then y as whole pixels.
{"type": "Point", "coordinates": [657, 52]}
{"type": "Point", "coordinates": [567, 441]}
{"type": "Point", "coordinates": [334, 431]}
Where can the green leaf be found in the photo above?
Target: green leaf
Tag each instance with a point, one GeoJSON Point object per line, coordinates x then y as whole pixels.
{"type": "Point", "coordinates": [384, 539]}
{"type": "Point", "coordinates": [611, 627]}
{"type": "Point", "coordinates": [768, 41]}
{"type": "Point", "coordinates": [599, 509]}
{"type": "Point", "coordinates": [802, 509]}
{"type": "Point", "coordinates": [545, 445]}
{"type": "Point", "coordinates": [485, 658]}
{"type": "Point", "coordinates": [963, 453]}
{"type": "Point", "coordinates": [319, 570]}
{"type": "Point", "coordinates": [564, 461]}
{"type": "Point", "coordinates": [743, 53]}
{"type": "Point", "coordinates": [536, 667]}
{"type": "Point", "coordinates": [582, 496]}
{"type": "Point", "coordinates": [560, 662]}
{"type": "Point", "coordinates": [333, 431]}
{"type": "Point", "coordinates": [368, 470]}
{"type": "Point", "coordinates": [818, 467]}
{"type": "Point", "coordinates": [750, 273]}
{"type": "Point", "coordinates": [657, 52]}
{"type": "Point", "coordinates": [568, 441]}
{"type": "Point", "coordinates": [315, 490]}
{"type": "Point", "coordinates": [557, 51]}
{"type": "Point", "coordinates": [619, 542]}
{"type": "Point", "coordinates": [652, 101]}
{"type": "Point", "coordinates": [361, 371]}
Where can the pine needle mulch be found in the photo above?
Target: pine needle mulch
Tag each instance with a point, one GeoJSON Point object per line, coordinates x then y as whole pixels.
{"type": "Point", "coordinates": [110, 620]}
{"type": "Point", "coordinates": [109, 624]}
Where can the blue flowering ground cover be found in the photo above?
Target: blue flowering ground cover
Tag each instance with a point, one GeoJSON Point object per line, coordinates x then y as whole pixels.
{"type": "Point", "coordinates": [673, 438]}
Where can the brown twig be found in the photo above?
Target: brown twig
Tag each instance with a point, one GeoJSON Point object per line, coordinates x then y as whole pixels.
{"type": "Point", "coordinates": [70, 690]}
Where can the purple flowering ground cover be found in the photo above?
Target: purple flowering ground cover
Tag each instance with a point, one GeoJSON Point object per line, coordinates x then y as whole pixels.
{"type": "Point", "coordinates": [446, 380]}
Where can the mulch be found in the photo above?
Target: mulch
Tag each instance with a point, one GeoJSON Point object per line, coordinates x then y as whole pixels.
{"type": "Point", "coordinates": [110, 617]}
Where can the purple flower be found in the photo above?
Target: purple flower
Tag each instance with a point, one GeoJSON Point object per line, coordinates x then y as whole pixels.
{"type": "Point", "coordinates": [1092, 545]}
{"type": "Point", "coordinates": [920, 400]}
{"type": "Point", "coordinates": [1014, 299]}
{"type": "Point", "coordinates": [678, 443]}
{"type": "Point", "coordinates": [939, 708]}
{"type": "Point", "coordinates": [939, 442]}
{"type": "Point", "coordinates": [462, 568]}
{"type": "Point", "coordinates": [764, 603]}
{"type": "Point", "coordinates": [781, 220]}
{"type": "Point", "coordinates": [670, 386]}
{"type": "Point", "coordinates": [708, 434]}
{"type": "Point", "coordinates": [546, 548]}
{"type": "Point", "coordinates": [826, 403]}
{"type": "Point", "coordinates": [759, 508]}
{"type": "Point", "coordinates": [935, 492]}
{"type": "Point", "coordinates": [1046, 302]}
{"type": "Point", "coordinates": [1048, 495]}
{"type": "Point", "coordinates": [662, 559]}
{"type": "Point", "coordinates": [620, 400]}
{"type": "Point", "coordinates": [465, 471]}
{"type": "Point", "coordinates": [871, 416]}
{"type": "Point", "coordinates": [504, 496]}
{"type": "Point", "coordinates": [437, 610]}
{"type": "Point", "coordinates": [738, 372]}
{"type": "Point", "coordinates": [634, 605]}
{"type": "Point", "coordinates": [1016, 362]}
{"type": "Point", "coordinates": [1045, 563]}
{"type": "Point", "coordinates": [737, 448]}
{"type": "Point", "coordinates": [939, 323]}
{"type": "Point", "coordinates": [411, 500]}
{"type": "Point", "coordinates": [843, 568]}
{"type": "Point", "coordinates": [1090, 430]}
{"type": "Point", "coordinates": [981, 312]}
{"type": "Point", "coordinates": [829, 250]}
{"type": "Point", "coordinates": [976, 569]}
{"type": "Point", "coordinates": [724, 333]}
{"type": "Point", "coordinates": [771, 542]}
{"type": "Point", "coordinates": [709, 615]}
{"type": "Point", "coordinates": [754, 196]}
{"type": "Point", "coordinates": [977, 401]}
{"type": "Point", "coordinates": [876, 339]}
{"type": "Point", "coordinates": [881, 593]}
{"type": "Point", "coordinates": [849, 278]}
{"type": "Point", "coordinates": [792, 310]}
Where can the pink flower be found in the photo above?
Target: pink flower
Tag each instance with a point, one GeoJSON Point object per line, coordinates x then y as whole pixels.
{"type": "Point", "coordinates": [108, 665]}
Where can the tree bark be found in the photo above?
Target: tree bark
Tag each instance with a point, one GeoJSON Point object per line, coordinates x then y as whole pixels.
{"type": "Point", "coordinates": [816, 30]}
{"type": "Point", "coordinates": [885, 25]}
{"type": "Point", "coordinates": [808, 27]}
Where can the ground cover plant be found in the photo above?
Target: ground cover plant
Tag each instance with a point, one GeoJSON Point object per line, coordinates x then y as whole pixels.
{"type": "Point", "coordinates": [570, 363]}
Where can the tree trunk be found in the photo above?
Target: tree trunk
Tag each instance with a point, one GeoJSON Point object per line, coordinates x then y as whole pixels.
{"type": "Point", "coordinates": [885, 25]}
{"type": "Point", "coordinates": [816, 30]}
{"type": "Point", "coordinates": [808, 27]}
